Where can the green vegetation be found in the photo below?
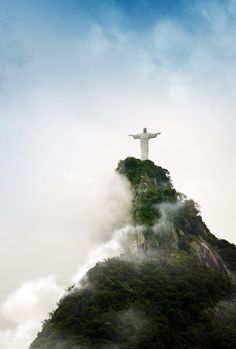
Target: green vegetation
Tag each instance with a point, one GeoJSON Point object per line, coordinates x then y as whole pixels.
{"type": "Point", "coordinates": [135, 169]}
{"type": "Point", "coordinates": [161, 299]}
{"type": "Point", "coordinates": [151, 185]}
{"type": "Point", "coordinates": [126, 304]}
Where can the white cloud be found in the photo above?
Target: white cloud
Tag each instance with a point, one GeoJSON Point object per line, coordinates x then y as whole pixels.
{"type": "Point", "coordinates": [22, 312]}
{"type": "Point", "coordinates": [24, 309]}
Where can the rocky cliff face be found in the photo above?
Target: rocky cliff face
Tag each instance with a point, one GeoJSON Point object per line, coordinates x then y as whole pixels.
{"type": "Point", "coordinates": [167, 220]}
{"type": "Point", "coordinates": [210, 258]}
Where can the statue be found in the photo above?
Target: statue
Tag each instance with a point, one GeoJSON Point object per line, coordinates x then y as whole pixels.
{"type": "Point", "coordinates": [144, 139]}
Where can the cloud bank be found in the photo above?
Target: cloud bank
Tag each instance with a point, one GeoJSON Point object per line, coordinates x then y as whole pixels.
{"type": "Point", "coordinates": [23, 310]}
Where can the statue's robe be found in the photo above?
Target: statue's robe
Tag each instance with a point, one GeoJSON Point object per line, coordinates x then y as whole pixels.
{"type": "Point", "coordinates": [144, 140]}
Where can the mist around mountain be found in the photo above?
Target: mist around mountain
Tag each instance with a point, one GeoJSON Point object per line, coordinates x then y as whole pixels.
{"type": "Point", "coordinates": [174, 285]}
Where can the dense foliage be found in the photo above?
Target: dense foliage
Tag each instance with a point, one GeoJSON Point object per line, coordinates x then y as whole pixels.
{"type": "Point", "coordinates": [151, 185]}
{"type": "Point", "coordinates": [132, 305]}
{"type": "Point", "coordinates": [134, 169]}
{"type": "Point", "coordinates": [180, 295]}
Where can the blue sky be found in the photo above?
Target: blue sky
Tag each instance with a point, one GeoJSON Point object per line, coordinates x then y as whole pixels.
{"type": "Point", "coordinates": [76, 77]}
{"type": "Point", "coordinates": [103, 42]}
{"type": "Point", "coordinates": [136, 14]}
{"type": "Point", "coordinates": [139, 16]}
{"type": "Point", "coordinates": [51, 26]}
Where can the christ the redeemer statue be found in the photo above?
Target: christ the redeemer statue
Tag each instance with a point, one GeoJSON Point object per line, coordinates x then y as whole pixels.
{"type": "Point", "coordinates": [144, 139]}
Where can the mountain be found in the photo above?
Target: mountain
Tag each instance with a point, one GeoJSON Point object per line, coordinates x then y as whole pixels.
{"type": "Point", "coordinates": [173, 286]}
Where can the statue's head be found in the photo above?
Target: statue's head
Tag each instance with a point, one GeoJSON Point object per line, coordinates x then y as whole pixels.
{"type": "Point", "coordinates": [144, 130]}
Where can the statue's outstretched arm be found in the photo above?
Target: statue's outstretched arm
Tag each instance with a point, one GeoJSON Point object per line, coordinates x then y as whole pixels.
{"type": "Point", "coordinates": [153, 135]}
{"type": "Point", "coordinates": [135, 136]}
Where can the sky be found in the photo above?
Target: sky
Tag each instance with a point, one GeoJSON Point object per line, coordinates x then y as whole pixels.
{"type": "Point", "coordinates": [76, 77]}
